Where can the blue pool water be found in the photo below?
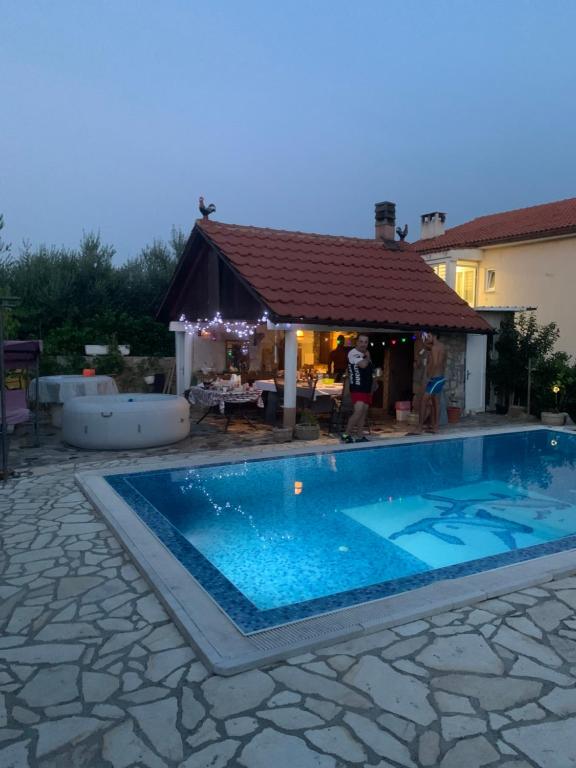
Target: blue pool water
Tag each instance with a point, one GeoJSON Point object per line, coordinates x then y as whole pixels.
{"type": "Point", "coordinates": [281, 539]}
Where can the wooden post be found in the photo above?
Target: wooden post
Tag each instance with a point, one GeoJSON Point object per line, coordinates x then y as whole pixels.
{"type": "Point", "coordinates": [290, 375]}
{"type": "Point", "coordinates": [179, 349]}
{"type": "Point", "coordinates": [529, 386]}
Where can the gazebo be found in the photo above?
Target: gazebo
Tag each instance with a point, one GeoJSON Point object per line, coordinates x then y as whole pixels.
{"type": "Point", "coordinates": [253, 281]}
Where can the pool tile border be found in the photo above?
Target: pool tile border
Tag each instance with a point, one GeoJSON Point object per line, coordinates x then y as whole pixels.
{"type": "Point", "coordinates": [224, 635]}
{"type": "Point", "coordinates": [248, 618]}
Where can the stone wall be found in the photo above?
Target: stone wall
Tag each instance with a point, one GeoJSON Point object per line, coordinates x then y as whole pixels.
{"type": "Point", "coordinates": [455, 367]}
{"type": "Point", "coordinates": [135, 368]}
{"type": "Point", "coordinates": [454, 390]}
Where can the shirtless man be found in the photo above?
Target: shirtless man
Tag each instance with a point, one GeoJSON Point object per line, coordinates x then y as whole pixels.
{"type": "Point", "coordinates": [436, 364]}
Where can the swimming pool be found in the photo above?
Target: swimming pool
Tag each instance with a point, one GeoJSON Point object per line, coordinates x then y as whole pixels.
{"type": "Point", "coordinates": [278, 540]}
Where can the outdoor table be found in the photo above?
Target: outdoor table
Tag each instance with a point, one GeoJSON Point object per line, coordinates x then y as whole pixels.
{"type": "Point", "coordinates": [322, 394]}
{"type": "Point", "coordinates": [220, 398]}
{"type": "Point", "coordinates": [57, 390]}
{"type": "Point", "coordinates": [322, 390]}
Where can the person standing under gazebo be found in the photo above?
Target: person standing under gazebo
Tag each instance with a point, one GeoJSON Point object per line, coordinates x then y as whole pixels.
{"type": "Point", "coordinates": [360, 378]}
{"type": "Point", "coordinates": [338, 359]}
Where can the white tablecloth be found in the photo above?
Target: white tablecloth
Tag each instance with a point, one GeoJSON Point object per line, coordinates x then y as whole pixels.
{"type": "Point", "coordinates": [330, 390]}
{"type": "Point", "coordinates": [211, 397]}
{"type": "Point", "coordinates": [59, 389]}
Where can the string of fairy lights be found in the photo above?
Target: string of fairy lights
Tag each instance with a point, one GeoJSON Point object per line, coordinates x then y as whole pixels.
{"type": "Point", "coordinates": [245, 330]}
{"type": "Point", "coordinates": [209, 327]}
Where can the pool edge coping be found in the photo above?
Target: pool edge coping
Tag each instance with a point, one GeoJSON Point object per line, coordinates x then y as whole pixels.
{"type": "Point", "coordinates": [228, 651]}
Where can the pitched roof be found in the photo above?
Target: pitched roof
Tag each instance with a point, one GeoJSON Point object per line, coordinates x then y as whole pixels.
{"type": "Point", "coordinates": [340, 280]}
{"type": "Point", "coordinates": [538, 221]}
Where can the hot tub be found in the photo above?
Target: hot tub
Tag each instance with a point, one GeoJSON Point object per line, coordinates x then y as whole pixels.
{"type": "Point", "coordinates": [125, 421]}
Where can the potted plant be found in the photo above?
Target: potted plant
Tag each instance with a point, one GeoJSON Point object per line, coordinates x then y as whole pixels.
{"type": "Point", "coordinates": [282, 434]}
{"type": "Point", "coordinates": [453, 411]}
{"type": "Point", "coordinates": [554, 418]}
{"type": "Point", "coordinates": [307, 427]}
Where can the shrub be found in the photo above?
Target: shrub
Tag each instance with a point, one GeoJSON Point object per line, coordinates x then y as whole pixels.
{"type": "Point", "coordinates": [308, 418]}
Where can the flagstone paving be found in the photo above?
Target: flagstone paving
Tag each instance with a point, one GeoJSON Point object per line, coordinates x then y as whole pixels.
{"type": "Point", "coordinates": [93, 673]}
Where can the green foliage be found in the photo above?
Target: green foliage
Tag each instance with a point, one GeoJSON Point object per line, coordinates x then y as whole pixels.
{"type": "Point", "coordinates": [5, 247]}
{"type": "Point", "coordinates": [555, 371]}
{"type": "Point", "coordinates": [523, 341]}
{"type": "Point", "coordinates": [518, 342]}
{"type": "Point", "coordinates": [73, 297]}
{"type": "Point", "coordinates": [112, 363]}
{"type": "Point", "coordinates": [6, 271]}
{"type": "Point", "coordinates": [308, 418]}
{"type": "Point", "coordinates": [51, 365]}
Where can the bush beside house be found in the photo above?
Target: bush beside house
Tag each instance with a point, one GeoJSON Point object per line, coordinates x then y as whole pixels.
{"type": "Point", "coordinates": [523, 343]}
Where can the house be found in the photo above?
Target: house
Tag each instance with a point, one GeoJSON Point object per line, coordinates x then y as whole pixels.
{"type": "Point", "coordinates": [510, 261]}
{"type": "Point", "coordinates": [285, 296]}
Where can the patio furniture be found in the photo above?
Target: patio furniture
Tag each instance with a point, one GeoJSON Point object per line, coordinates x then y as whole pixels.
{"type": "Point", "coordinates": [305, 396]}
{"type": "Point", "coordinates": [17, 411]}
{"type": "Point", "coordinates": [116, 422]}
{"type": "Point", "coordinates": [341, 410]}
{"type": "Point", "coordinates": [275, 401]}
{"type": "Point", "coordinates": [225, 401]}
{"type": "Point", "coordinates": [57, 390]}
{"type": "Point", "coordinates": [20, 356]}
{"type": "Point", "coordinates": [319, 403]}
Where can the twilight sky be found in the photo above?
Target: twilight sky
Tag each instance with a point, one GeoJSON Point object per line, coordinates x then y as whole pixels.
{"type": "Point", "coordinates": [117, 114]}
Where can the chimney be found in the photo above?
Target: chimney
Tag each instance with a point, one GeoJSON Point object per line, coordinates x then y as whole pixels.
{"type": "Point", "coordinates": [432, 224]}
{"type": "Point", "coordinates": [385, 215]}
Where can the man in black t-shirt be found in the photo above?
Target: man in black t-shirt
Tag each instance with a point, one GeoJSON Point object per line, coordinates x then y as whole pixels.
{"type": "Point", "coordinates": [360, 377]}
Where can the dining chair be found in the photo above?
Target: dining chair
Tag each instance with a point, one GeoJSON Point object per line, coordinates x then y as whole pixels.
{"type": "Point", "coordinates": [278, 395]}
{"type": "Point", "coordinates": [341, 409]}
{"type": "Point", "coordinates": [306, 395]}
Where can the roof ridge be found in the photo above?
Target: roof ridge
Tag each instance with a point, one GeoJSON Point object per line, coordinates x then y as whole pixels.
{"type": "Point", "coordinates": [253, 229]}
{"type": "Point", "coordinates": [534, 221]}
{"type": "Point", "coordinates": [513, 210]}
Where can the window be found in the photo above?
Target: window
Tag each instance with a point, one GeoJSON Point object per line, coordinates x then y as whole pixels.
{"type": "Point", "coordinates": [466, 283]}
{"type": "Point", "coordinates": [440, 270]}
{"type": "Point", "coordinates": [490, 283]}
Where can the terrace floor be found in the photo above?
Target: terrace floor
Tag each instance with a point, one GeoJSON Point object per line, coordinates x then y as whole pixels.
{"type": "Point", "coordinates": [93, 673]}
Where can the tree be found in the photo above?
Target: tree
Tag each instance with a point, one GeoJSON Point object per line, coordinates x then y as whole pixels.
{"type": "Point", "coordinates": [73, 297]}
{"type": "Point", "coordinates": [519, 341]}
{"type": "Point", "coordinates": [555, 371]}
{"type": "Point", "coordinates": [6, 273]}
{"type": "Point", "coordinates": [144, 280]}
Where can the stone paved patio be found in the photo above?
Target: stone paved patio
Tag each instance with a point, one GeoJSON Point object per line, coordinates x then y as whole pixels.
{"type": "Point", "coordinates": [94, 674]}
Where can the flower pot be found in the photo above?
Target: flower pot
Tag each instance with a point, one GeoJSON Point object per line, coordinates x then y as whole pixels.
{"type": "Point", "coordinates": [306, 432]}
{"type": "Point", "coordinates": [552, 419]}
{"type": "Point", "coordinates": [453, 413]}
{"type": "Point", "coordinates": [282, 434]}
{"type": "Point", "coordinates": [96, 349]}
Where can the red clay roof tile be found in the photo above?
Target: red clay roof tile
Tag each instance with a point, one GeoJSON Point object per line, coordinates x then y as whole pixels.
{"type": "Point", "coordinates": [538, 221]}
{"type": "Point", "coordinates": [341, 280]}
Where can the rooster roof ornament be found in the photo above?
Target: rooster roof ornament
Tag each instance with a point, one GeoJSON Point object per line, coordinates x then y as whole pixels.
{"type": "Point", "coordinates": [206, 210]}
{"type": "Point", "coordinates": [402, 232]}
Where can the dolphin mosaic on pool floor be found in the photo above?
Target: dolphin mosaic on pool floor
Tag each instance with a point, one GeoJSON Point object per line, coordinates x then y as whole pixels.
{"type": "Point", "coordinates": [94, 674]}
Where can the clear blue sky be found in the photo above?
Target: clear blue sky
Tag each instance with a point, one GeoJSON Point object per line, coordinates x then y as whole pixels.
{"type": "Point", "coordinates": [116, 114]}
